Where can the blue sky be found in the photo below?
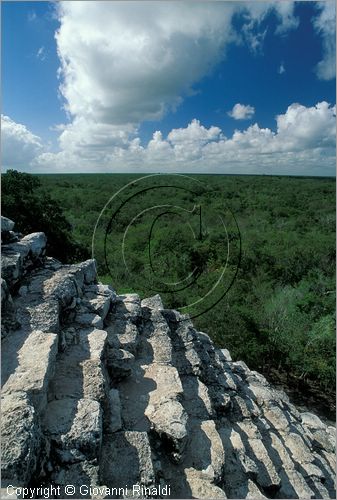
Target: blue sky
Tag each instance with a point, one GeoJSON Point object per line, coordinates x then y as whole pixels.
{"type": "Point", "coordinates": [119, 86]}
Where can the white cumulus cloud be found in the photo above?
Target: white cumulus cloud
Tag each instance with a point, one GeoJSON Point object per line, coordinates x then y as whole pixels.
{"type": "Point", "coordinates": [123, 63]}
{"type": "Point", "coordinates": [304, 127]}
{"type": "Point", "coordinates": [194, 133]}
{"type": "Point", "coordinates": [242, 112]}
{"type": "Point", "coordinates": [19, 146]}
{"type": "Point", "coordinates": [303, 143]}
{"type": "Point", "coordinates": [126, 62]}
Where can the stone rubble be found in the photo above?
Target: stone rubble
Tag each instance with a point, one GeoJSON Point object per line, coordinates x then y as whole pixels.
{"type": "Point", "coordinates": [111, 391]}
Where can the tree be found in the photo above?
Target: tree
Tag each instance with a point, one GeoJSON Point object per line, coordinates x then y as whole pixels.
{"type": "Point", "coordinates": [33, 209]}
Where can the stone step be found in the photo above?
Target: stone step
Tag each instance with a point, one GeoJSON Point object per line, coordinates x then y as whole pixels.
{"type": "Point", "coordinates": [150, 395]}
{"type": "Point", "coordinates": [123, 334]}
{"type": "Point", "coordinates": [188, 482]}
{"type": "Point", "coordinates": [82, 476]}
{"type": "Point", "coordinates": [20, 439]}
{"type": "Point", "coordinates": [29, 356]}
{"type": "Point", "coordinates": [95, 305]}
{"type": "Point", "coordinates": [157, 333]}
{"type": "Point", "coordinates": [119, 363]}
{"type": "Point", "coordinates": [205, 451]}
{"type": "Point", "coordinates": [134, 397]}
{"type": "Point", "coordinates": [19, 256]}
{"type": "Point", "coordinates": [28, 361]}
{"type": "Point", "coordinates": [239, 470]}
{"type": "Point", "coordinates": [128, 306]}
{"type": "Point", "coordinates": [73, 420]}
{"type": "Point", "coordinates": [201, 485]}
{"type": "Point", "coordinates": [75, 428]}
{"type": "Point", "coordinates": [126, 460]}
{"type": "Point", "coordinates": [191, 352]}
{"type": "Point", "coordinates": [79, 369]}
{"type": "Point", "coordinates": [166, 414]}
{"type": "Point", "coordinates": [196, 398]}
{"type": "Point", "coordinates": [35, 363]}
{"type": "Point", "coordinates": [152, 303]}
{"type": "Point", "coordinates": [83, 318]}
{"type": "Point", "coordinates": [27, 367]}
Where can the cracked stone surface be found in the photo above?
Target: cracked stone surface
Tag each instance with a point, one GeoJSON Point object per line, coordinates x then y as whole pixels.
{"type": "Point", "coordinates": [110, 391]}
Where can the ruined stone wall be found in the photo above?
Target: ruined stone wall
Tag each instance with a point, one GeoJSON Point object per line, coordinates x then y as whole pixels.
{"type": "Point", "coordinates": [110, 392]}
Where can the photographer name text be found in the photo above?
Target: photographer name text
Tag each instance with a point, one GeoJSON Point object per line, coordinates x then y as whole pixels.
{"type": "Point", "coordinates": [70, 490]}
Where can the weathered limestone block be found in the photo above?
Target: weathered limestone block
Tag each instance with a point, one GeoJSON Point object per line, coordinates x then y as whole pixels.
{"type": "Point", "coordinates": [86, 430]}
{"type": "Point", "coordinates": [36, 362]}
{"type": "Point", "coordinates": [154, 302]}
{"type": "Point", "coordinates": [205, 449]}
{"type": "Point", "coordinates": [20, 439]}
{"type": "Point", "coordinates": [323, 441]}
{"type": "Point", "coordinates": [293, 485]}
{"type": "Point", "coordinates": [62, 285]}
{"type": "Point", "coordinates": [204, 339]}
{"type": "Point", "coordinates": [8, 316]}
{"type": "Point", "coordinates": [83, 475]}
{"type": "Point", "coordinates": [169, 421]}
{"type": "Point", "coordinates": [75, 425]}
{"type": "Point", "coordinates": [92, 291]}
{"type": "Point", "coordinates": [264, 394]}
{"type": "Point", "coordinates": [196, 398]}
{"type": "Point", "coordinates": [84, 273]}
{"type": "Point", "coordinates": [52, 263]}
{"type": "Point", "coordinates": [201, 485]}
{"type": "Point", "coordinates": [22, 248]}
{"type": "Point", "coordinates": [299, 450]}
{"type": "Point", "coordinates": [11, 267]}
{"type": "Point", "coordinates": [6, 224]}
{"type": "Point", "coordinates": [115, 411]}
{"type": "Point", "coordinates": [119, 363]}
{"type": "Point", "coordinates": [227, 381]}
{"type": "Point", "coordinates": [126, 459]}
{"type": "Point", "coordinates": [86, 319]}
{"type": "Point", "coordinates": [157, 333]}
{"type": "Point", "coordinates": [128, 306]}
{"type": "Point", "coordinates": [166, 414]}
{"type": "Point", "coordinates": [267, 476]}
{"type": "Point", "coordinates": [45, 316]}
{"type": "Point", "coordinates": [96, 342]}
{"type": "Point", "coordinates": [100, 305]}
{"type": "Point", "coordinates": [311, 421]}
{"type": "Point", "coordinates": [36, 243]}
{"type": "Point", "coordinates": [126, 335]}
{"type": "Point", "coordinates": [94, 384]}
{"type": "Point", "coordinates": [226, 354]}
{"type": "Point", "coordinates": [88, 268]}
{"type": "Point", "coordinates": [244, 407]}
{"type": "Point", "coordinates": [276, 417]}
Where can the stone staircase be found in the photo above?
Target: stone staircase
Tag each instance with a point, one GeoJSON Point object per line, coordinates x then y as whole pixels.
{"type": "Point", "coordinates": [126, 398]}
